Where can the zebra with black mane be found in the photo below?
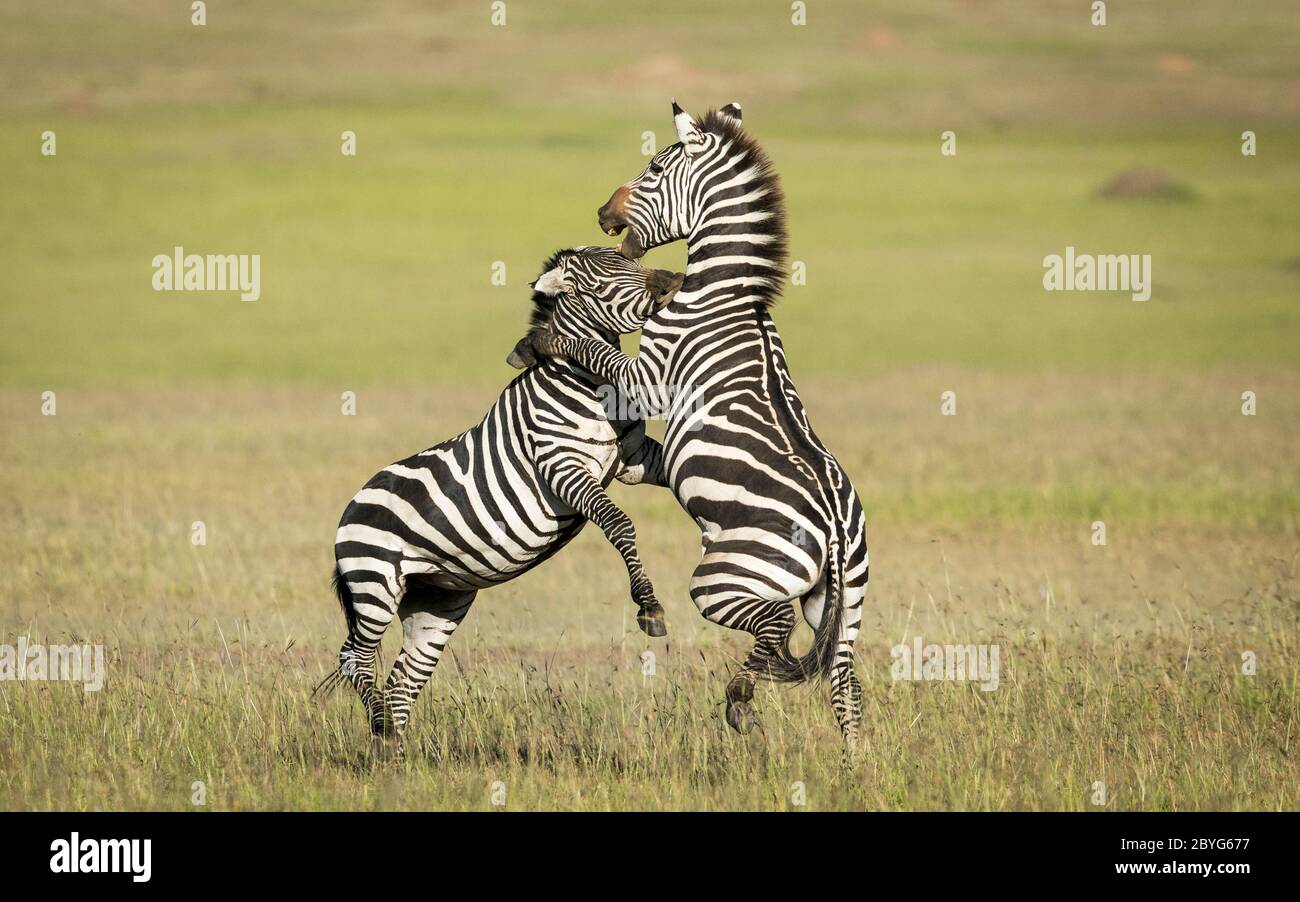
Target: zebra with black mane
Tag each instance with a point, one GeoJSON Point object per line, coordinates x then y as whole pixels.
{"type": "Point", "coordinates": [779, 519]}
{"type": "Point", "coordinates": [425, 534]}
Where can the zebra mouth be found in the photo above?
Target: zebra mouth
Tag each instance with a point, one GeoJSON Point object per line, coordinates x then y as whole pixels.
{"type": "Point", "coordinates": [630, 246]}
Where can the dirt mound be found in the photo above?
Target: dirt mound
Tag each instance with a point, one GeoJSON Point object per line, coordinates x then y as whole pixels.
{"type": "Point", "coordinates": [1145, 184]}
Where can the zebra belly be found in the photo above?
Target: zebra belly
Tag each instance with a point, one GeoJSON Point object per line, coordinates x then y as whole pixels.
{"type": "Point", "coordinates": [755, 481]}
{"type": "Point", "coordinates": [448, 572]}
{"type": "Point", "coordinates": [768, 500]}
{"type": "Point", "coordinates": [734, 476]}
{"type": "Point", "coordinates": [452, 519]}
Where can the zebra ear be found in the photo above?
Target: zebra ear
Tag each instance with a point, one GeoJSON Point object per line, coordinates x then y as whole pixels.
{"type": "Point", "coordinates": [550, 283]}
{"type": "Point", "coordinates": [731, 110]}
{"type": "Point", "coordinates": [687, 131]}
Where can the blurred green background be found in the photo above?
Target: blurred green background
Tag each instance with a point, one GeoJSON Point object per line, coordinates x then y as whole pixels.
{"type": "Point", "coordinates": [479, 143]}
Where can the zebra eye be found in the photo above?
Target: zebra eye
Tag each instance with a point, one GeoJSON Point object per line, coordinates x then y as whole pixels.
{"type": "Point", "coordinates": [655, 169]}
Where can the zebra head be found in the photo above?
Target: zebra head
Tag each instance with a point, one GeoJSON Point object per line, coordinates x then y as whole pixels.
{"type": "Point", "coordinates": [588, 291]}
{"type": "Point", "coordinates": [659, 205]}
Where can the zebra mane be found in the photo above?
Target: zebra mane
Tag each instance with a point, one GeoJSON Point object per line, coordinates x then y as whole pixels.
{"type": "Point", "coordinates": [772, 201]}
{"type": "Point", "coordinates": [543, 305]}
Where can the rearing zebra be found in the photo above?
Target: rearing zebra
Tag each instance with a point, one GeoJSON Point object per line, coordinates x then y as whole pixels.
{"type": "Point", "coordinates": [779, 518]}
{"type": "Point", "coordinates": [426, 533]}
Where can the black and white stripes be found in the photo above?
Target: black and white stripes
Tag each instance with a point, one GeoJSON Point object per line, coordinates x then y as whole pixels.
{"type": "Point", "coordinates": [425, 534]}
{"type": "Point", "coordinates": [780, 521]}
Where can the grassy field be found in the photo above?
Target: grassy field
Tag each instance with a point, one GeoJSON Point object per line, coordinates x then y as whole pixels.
{"type": "Point", "coordinates": [1120, 664]}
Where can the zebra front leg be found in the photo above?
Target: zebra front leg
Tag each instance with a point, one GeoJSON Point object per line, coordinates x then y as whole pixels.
{"type": "Point", "coordinates": [633, 376]}
{"type": "Point", "coordinates": [429, 617]}
{"type": "Point", "coordinates": [577, 488]}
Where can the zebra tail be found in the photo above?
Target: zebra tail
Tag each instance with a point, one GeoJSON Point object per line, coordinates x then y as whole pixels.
{"type": "Point", "coordinates": [820, 658]}
{"type": "Point", "coordinates": [335, 676]}
{"type": "Point", "coordinates": [345, 599]}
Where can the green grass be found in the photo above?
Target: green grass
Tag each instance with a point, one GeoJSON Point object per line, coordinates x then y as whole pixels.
{"type": "Point", "coordinates": [924, 258]}
{"type": "Point", "coordinates": [590, 733]}
{"type": "Point", "coordinates": [1121, 663]}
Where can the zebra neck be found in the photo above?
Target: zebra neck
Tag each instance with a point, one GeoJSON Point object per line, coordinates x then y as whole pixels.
{"type": "Point", "coordinates": [607, 337]}
{"type": "Point", "coordinates": [737, 249]}
{"type": "Point", "coordinates": [572, 327]}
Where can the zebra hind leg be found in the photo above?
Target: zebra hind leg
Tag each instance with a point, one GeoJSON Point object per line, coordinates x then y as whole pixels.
{"type": "Point", "coordinates": [846, 700]}
{"type": "Point", "coordinates": [725, 592]}
{"type": "Point", "coordinates": [429, 617]}
{"type": "Point", "coordinates": [771, 623]}
{"type": "Point", "coordinates": [846, 690]}
{"type": "Point", "coordinates": [370, 607]}
{"type": "Point", "coordinates": [358, 662]}
{"type": "Point", "coordinates": [769, 620]}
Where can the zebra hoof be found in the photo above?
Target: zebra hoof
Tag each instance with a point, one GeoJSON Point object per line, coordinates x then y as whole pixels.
{"type": "Point", "coordinates": [740, 715]}
{"type": "Point", "coordinates": [651, 620]}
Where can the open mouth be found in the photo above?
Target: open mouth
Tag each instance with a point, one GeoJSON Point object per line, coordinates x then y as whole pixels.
{"type": "Point", "coordinates": [630, 246]}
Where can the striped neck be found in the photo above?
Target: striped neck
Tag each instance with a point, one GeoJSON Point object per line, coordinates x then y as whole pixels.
{"type": "Point", "coordinates": [570, 326]}
{"type": "Point", "coordinates": [737, 248]}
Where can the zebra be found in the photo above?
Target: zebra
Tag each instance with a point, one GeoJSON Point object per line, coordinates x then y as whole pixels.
{"type": "Point", "coordinates": [425, 534]}
{"type": "Point", "coordinates": [779, 519]}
